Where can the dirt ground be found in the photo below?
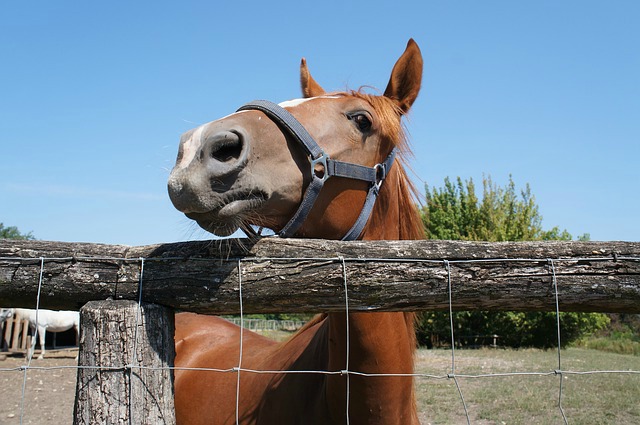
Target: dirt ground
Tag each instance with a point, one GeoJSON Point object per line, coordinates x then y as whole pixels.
{"type": "Point", "coordinates": [49, 393]}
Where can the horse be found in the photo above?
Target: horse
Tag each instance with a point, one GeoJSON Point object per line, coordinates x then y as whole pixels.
{"type": "Point", "coordinates": [5, 314]}
{"type": "Point", "coordinates": [42, 320]}
{"type": "Point", "coordinates": [329, 165]}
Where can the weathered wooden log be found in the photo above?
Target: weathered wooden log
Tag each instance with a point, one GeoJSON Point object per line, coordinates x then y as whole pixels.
{"type": "Point", "coordinates": [302, 275]}
{"type": "Point", "coordinates": [124, 359]}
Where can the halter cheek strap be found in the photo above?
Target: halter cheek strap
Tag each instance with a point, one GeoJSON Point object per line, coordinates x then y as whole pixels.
{"type": "Point", "coordinates": [322, 168]}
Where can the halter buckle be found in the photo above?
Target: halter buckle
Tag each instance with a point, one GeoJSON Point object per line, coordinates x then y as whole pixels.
{"type": "Point", "coordinates": [322, 161]}
{"type": "Point", "coordinates": [381, 174]}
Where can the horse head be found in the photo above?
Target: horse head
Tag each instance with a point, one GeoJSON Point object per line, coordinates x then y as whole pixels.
{"type": "Point", "coordinates": [6, 313]}
{"type": "Point", "coordinates": [269, 165]}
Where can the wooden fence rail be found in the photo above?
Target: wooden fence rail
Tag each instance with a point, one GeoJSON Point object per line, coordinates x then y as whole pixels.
{"type": "Point", "coordinates": [289, 275]}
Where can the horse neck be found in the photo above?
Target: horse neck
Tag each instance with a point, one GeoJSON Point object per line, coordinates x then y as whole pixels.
{"type": "Point", "coordinates": [395, 215]}
{"type": "Point", "coordinates": [379, 342]}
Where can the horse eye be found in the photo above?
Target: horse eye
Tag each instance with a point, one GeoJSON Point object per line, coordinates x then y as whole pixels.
{"type": "Point", "coordinates": [362, 121]}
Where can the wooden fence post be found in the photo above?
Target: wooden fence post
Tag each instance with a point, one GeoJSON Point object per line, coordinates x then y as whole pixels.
{"type": "Point", "coordinates": [123, 356]}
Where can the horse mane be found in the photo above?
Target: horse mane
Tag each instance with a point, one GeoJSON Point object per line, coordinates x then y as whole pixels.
{"type": "Point", "coordinates": [411, 226]}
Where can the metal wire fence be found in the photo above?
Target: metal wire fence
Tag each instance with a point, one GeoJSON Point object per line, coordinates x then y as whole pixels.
{"type": "Point", "coordinates": [451, 374]}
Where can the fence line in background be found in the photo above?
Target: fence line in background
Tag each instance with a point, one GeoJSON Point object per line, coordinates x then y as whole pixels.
{"type": "Point", "coordinates": [262, 325]}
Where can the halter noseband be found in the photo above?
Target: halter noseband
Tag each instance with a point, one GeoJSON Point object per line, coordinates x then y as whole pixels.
{"type": "Point", "coordinates": [327, 167]}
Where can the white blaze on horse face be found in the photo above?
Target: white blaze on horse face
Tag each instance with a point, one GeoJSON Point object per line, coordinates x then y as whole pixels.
{"type": "Point", "coordinates": [190, 148]}
{"type": "Point", "coordinates": [295, 102]}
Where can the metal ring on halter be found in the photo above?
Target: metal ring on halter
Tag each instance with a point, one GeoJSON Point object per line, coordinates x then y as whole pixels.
{"type": "Point", "coordinates": [322, 160]}
{"type": "Point", "coordinates": [381, 174]}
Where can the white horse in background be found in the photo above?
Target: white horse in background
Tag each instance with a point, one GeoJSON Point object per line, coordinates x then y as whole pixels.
{"type": "Point", "coordinates": [41, 321]}
{"type": "Point", "coordinates": [5, 313]}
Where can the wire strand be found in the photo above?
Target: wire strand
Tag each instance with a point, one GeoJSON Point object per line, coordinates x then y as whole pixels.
{"type": "Point", "coordinates": [32, 350]}
{"type": "Point", "coordinates": [134, 357]}
{"type": "Point", "coordinates": [348, 337]}
{"type": "Point", "coordinates": [239, 368]}
{"type": "Point", "coordinates": [559, 371]}
{"type": "Point", "coordinates": [453, 342]}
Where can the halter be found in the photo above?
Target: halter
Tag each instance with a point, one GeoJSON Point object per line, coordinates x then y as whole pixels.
{"type": "Point", "coordinates": [322, 168]}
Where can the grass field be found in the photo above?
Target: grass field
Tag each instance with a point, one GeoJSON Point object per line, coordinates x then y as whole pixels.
{"type": "Point", "coordinates": [604, 398]}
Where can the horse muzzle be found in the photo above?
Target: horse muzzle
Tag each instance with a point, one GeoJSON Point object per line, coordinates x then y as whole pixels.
{"type": "Point", "coordinates": [204, 182]}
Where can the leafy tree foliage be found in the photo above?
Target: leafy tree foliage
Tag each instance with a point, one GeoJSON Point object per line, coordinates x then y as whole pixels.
{"type": "Point", "coordinates": [455, 212]}
{"type": "Point", "coordinates": [12, 232]}
{"type": "Point", "coordinates": [513, 328]}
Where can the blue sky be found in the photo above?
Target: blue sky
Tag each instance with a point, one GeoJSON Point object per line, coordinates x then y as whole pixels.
{"type": "Point", "coordinates": [94, 97]}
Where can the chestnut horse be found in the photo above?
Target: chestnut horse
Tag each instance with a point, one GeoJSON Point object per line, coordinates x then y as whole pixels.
{"type": "Point", "coordinates": [251, 168]}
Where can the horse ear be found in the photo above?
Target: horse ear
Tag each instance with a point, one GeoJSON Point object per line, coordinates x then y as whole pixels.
{"type": "Point", "coordinates": [406, 77]}
{"type": "Point", "coordinates": [309, 86]}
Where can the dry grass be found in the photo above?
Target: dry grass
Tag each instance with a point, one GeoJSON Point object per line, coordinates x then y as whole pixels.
{"type": "Point", "coordinates": [528, 399]}
{"type": "Point", "coordinates": [525, 399]}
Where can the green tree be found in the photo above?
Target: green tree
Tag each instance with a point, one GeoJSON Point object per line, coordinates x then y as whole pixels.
{"type": "Point", "coordinates": [454, 212]}
{"type": "Point", "coordinates": [12, 232]}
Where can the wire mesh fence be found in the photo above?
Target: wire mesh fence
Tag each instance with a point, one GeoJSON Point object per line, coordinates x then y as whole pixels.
{"type": "Point", "coordinates": [454, 373]}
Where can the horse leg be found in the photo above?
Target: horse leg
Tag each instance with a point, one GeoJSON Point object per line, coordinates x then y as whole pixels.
{"type": "Point", "coordinates": [42, 330]}
{"type": "Point", "coordinates": [32, 342]}
{"type": "Point", "coordinates": [75, 327]}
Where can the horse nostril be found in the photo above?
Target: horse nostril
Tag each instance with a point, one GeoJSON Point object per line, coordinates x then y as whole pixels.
{"type": "Point", "coordinates": [228, 152]}
{"type": "Point", "coordinates": [224, 147]}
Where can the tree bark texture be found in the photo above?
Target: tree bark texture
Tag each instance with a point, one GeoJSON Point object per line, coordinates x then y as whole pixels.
{"type": "Point", "coordinates": [303, 275]}
{"type": "Point", "coordinates": [123, 375]}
